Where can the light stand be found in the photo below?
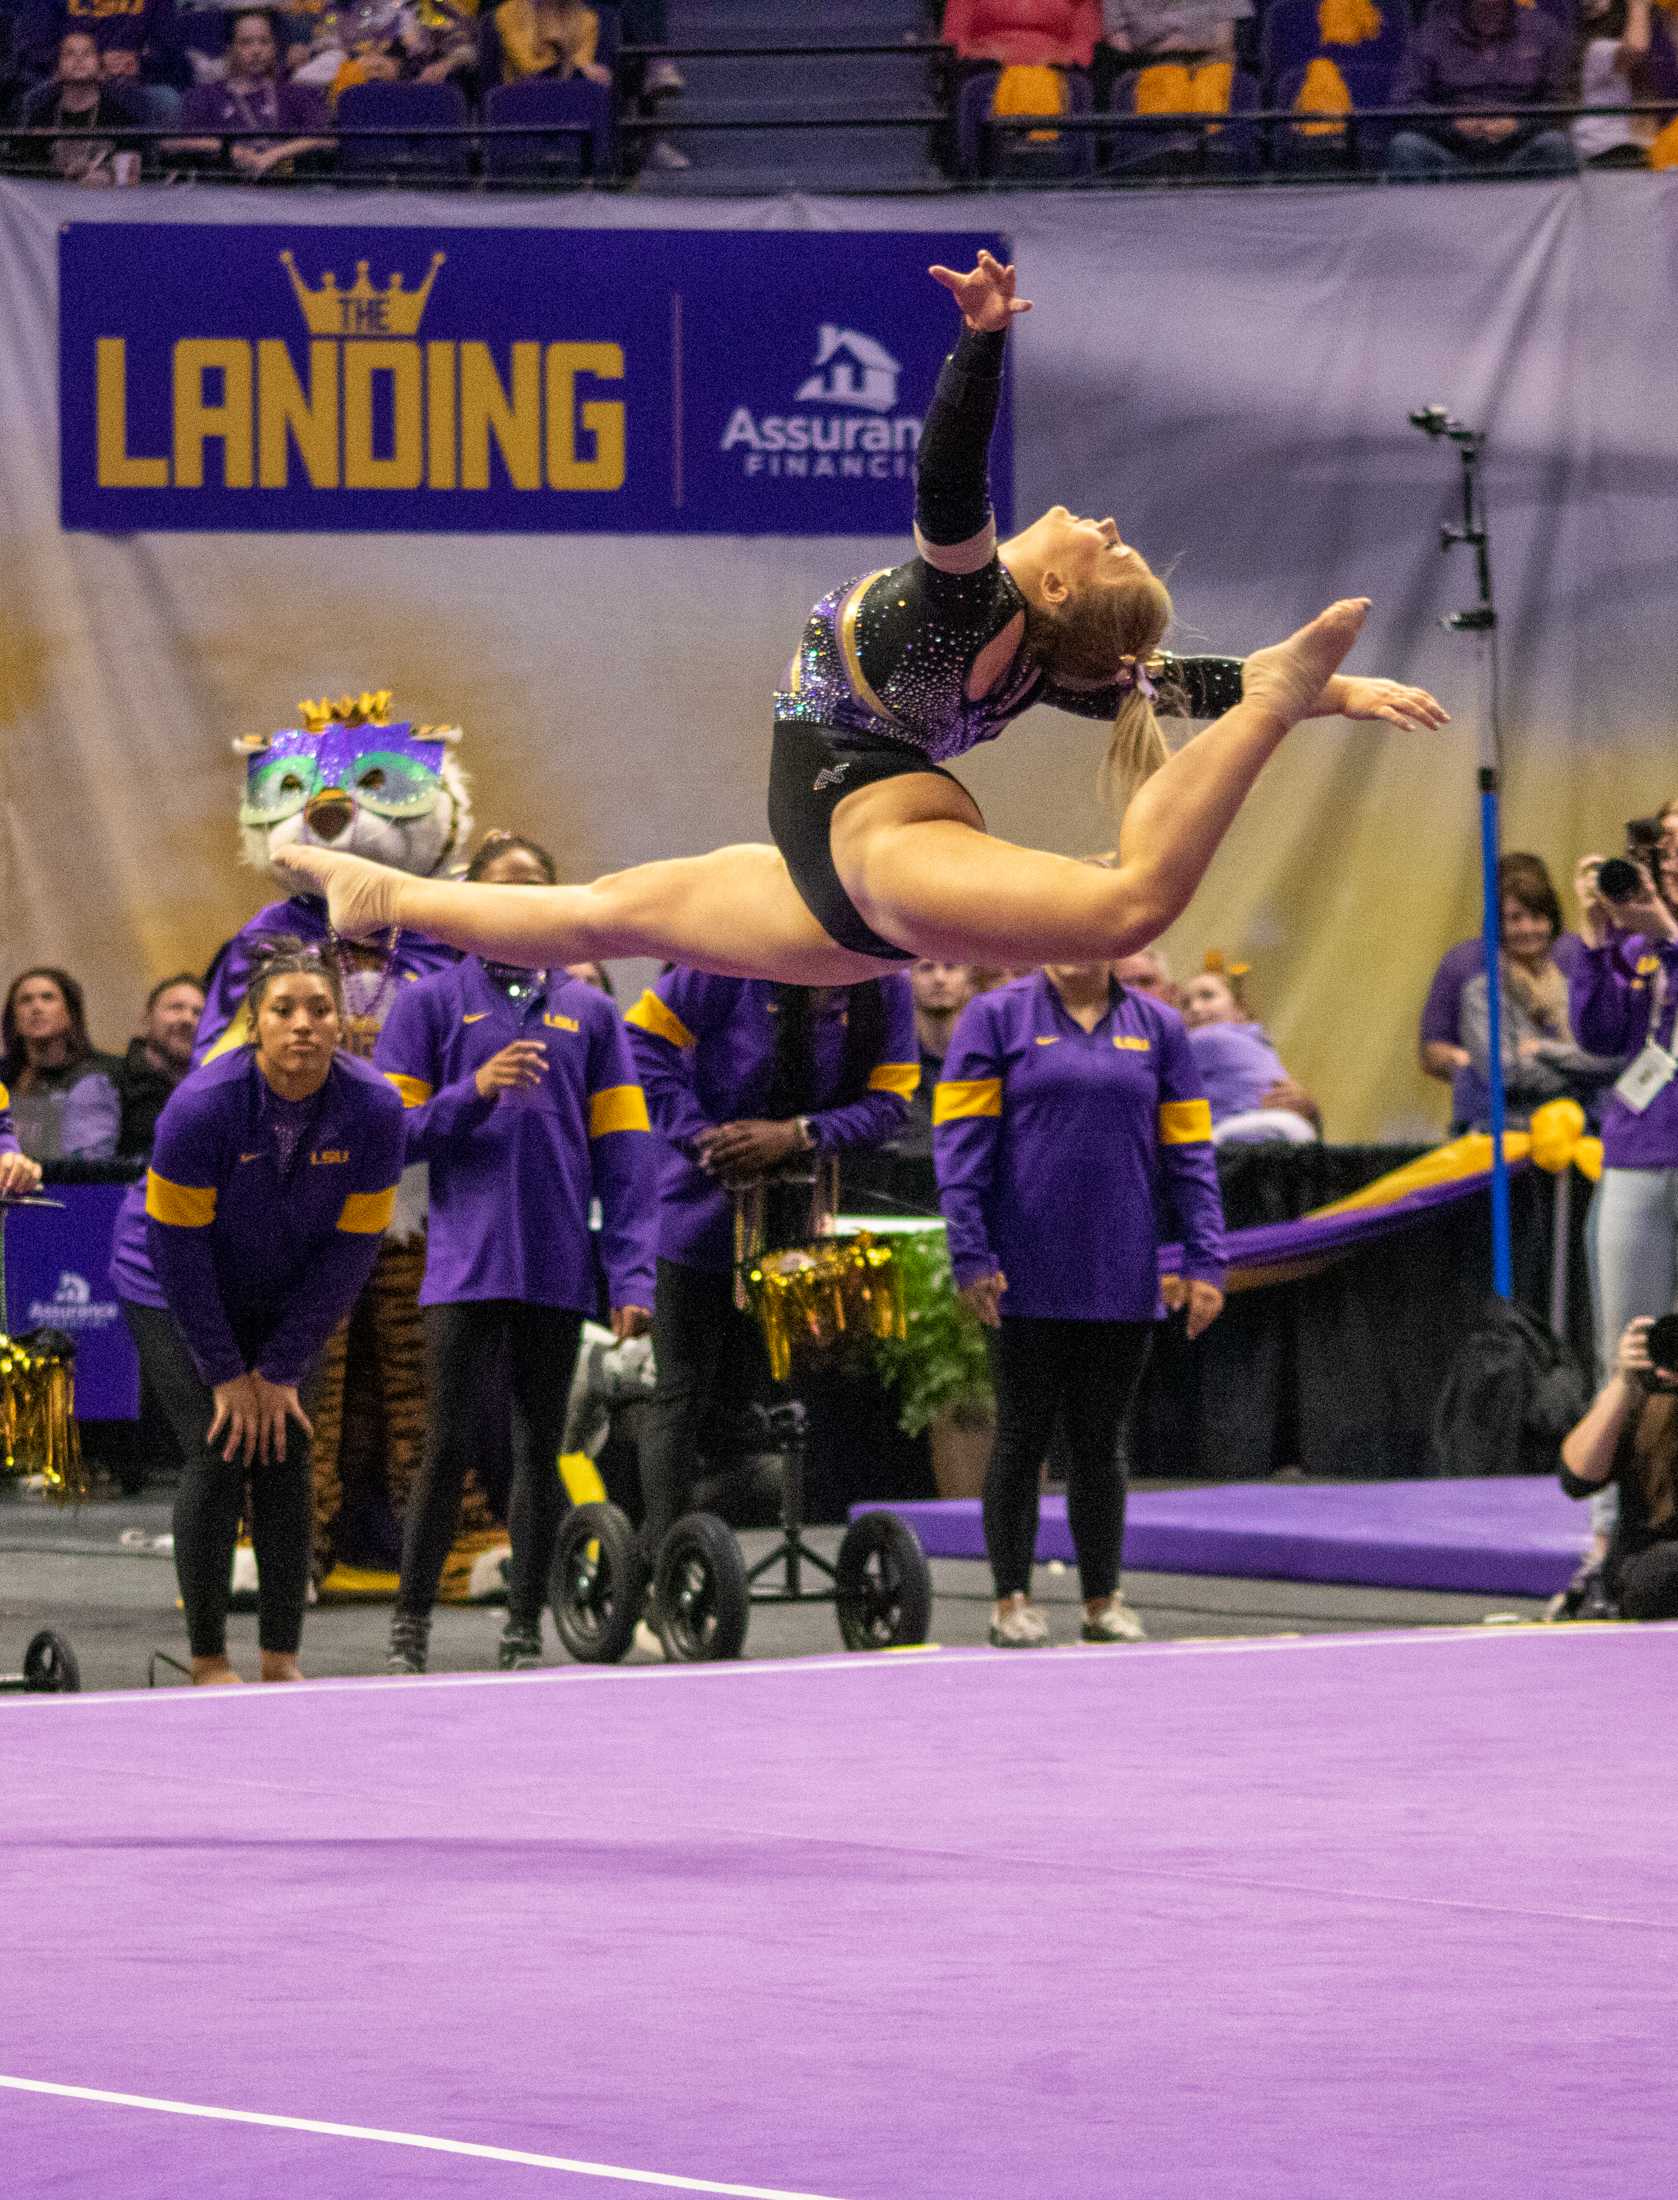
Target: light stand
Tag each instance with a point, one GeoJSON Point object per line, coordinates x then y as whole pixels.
{"type": "Point", "coordinates": [1480, 620]}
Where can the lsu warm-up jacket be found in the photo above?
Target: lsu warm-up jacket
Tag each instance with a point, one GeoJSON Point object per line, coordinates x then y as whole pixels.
{"type": "Point", "coordinates": [1066, 1157]}
{"type": "Point", "coordinates": [513, 1177]}
{"type": "Point", "coordinates": [259, 1265]}
{"type": "Point", "coordinates": [705, 1048]}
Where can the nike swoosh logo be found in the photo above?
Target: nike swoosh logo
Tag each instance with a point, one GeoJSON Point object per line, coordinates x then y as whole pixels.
{"type": "Point", "coordinates": [251, 1156]}
{"type": "Point", "coordinates": [1053, 1041]}
{"type": "Point", "coordinates": [477, 1019]}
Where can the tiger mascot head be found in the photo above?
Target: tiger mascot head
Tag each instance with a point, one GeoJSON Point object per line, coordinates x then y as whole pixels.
{"type": "Point", "coordinates": [354, 778]}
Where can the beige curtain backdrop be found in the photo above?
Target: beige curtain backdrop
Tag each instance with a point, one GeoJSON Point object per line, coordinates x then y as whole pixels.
{"type": "Point", "coordinates": [1228, 372]}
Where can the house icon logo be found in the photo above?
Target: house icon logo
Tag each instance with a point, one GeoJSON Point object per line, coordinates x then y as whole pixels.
{"type": "Point", "coordinates": [72, 1290]}
{"type": "Point", "coordinates": [851, 369]}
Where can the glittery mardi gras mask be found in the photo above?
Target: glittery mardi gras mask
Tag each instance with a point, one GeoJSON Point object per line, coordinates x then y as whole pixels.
{"type": "Point", "coordinates": [351, 777]}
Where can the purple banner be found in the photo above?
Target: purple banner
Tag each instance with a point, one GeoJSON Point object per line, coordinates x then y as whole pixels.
{"type": "Point", "coordinates": [58, 1276]}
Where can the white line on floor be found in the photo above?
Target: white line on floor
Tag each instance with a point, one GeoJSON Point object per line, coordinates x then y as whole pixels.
{"type": "Point", "coordinates": [941, 1661]}
{"type": "Point", "coordinates": [405, 2139]}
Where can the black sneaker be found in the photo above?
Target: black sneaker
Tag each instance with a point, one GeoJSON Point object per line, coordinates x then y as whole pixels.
{"type": "Point", "coordinates": [410, 1641]}
{"type": "Point", "coordinates": [521, 1645]}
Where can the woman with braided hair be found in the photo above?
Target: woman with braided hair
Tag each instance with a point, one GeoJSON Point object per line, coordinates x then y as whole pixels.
{"type": "Point", "coordinates": [272, 1180]}
{"type": "Point", "coordinates": [880, 854]}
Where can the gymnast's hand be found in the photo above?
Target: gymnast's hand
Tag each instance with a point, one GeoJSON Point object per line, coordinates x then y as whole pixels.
{"type": "Point", "coordinates": [983, 1298]}
{"type": "Point", "coordinates": [19, 1176]}
{"type": "Point", "coordinates": [986, 297]}
{"type": "Point", "coordinates": [1350, 695]}
{"type": "Point", "coordinates": [514, 1069]}
{"type": "Point", "coordinates": [630, 1321]}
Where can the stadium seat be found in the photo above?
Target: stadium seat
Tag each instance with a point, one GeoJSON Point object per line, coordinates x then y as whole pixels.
{"type": "Point", "coordinates": [1192, 89]}
{"type": "Point", "coordinates": [1369, 33]}
{"type": "Point", "coordinates": [1325, 86]}
{"type": "Point", "coordinates": [542, 99]}
{"type": "Point", "coordinates": [1023, 154]}
{"type": "Point", "coordinates": [423, 108]}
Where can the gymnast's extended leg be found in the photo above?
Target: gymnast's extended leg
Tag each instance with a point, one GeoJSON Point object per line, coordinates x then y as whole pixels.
{"type": "Point", "coordinates": [910, 852]}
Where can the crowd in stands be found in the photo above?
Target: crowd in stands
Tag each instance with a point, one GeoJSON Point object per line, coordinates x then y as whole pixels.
{"type": "Point", "coordinates": [1492, 72]}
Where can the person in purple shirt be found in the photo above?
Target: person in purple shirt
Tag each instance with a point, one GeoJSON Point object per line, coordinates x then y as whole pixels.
{"type": "Point", "coordinates": [1484, 54]}
{"type": "Point", "coordinates": [1439, 1039]}
{"type": "Point", "coordinates": [253, 95]}
{"type": "Point", "coordinates": [745, 1081]}
{"type": "Point", "coordinates": [522, 1096]}
{"type": "Point", "coordinates": [19, 1176]}
{"type": "Point", "coordinates": [1069, 1126]}
{"type": "Point", "coordinates": [1251, 1095]}
{"type": "Point", "coordinates": [272, 1179]}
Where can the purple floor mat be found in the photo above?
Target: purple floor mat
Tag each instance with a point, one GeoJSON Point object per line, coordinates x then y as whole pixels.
{"type": "Point", "coordinates": [1347, 1915]}
{"type": "Point", "coordinates": [1514, 1537]}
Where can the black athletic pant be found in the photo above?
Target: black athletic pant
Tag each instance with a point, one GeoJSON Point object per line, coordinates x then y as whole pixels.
{"type": "Point", "coordinates": [1647, 1583]}
{"type": "Point", "coordinates": [212, 1498]}
{"type": "Point", "coordinates": [708, 1352]}
{"type": "Point", "coordinates": [467, 1346]}
{"type": "Point", "coordinates": [1085, 1374]}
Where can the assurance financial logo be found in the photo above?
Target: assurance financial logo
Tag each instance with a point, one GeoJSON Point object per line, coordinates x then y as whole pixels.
{"type": "Point", "coordinates": [846, 424]}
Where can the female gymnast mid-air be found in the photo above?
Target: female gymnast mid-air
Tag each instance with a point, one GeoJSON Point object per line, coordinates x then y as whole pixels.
{"type": "Point", "coordinates": [880, 855]}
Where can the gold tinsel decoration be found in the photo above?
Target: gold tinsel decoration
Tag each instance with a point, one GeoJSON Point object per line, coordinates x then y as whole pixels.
{"type": "Point", "coordinates": [38, 1432]}
{"type": "Point", "coordinates": [811, 1298]}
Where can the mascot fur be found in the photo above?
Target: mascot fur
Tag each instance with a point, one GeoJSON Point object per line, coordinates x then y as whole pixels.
{"type": "Point", "coordinates": [353, 778]}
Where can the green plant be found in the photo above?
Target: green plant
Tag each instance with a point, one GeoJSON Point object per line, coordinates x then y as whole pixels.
{"type": "Point", "coordinates": [940, 1365]}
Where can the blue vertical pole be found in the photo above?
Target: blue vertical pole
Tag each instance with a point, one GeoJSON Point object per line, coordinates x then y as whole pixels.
{"type": "Point", "coordinates": [1503, 1265]}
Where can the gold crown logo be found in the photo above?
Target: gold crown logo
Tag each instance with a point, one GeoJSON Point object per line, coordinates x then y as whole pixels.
{"type": "Point", "coordinates": [363, 309]}
{"type": "Point", "coordinates": [367, 709]}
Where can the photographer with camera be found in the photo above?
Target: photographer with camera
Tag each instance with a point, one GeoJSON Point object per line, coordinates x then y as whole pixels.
{"type": "Point", "coordinates": [1623, 999]}
{"type": "Point", "coordinates": [1629, 1439]}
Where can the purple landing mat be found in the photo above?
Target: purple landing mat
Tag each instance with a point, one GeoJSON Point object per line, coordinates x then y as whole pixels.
{"type": "Point", "coordinates": [1343, 1916]}
{"type": "Point", "coordinates": [1493, 1537]}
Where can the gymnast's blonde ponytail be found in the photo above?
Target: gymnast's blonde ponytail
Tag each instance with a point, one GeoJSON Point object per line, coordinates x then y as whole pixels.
{"type": "Point", "coordinates": [1136, 751]}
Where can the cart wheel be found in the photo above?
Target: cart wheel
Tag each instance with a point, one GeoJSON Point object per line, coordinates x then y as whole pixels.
{"type": "Point", "coordinates": [884, 1584]}
{"type": "Point", "coordinates": [598, 1584]}
{"type": "Point", "coordinates": [49, 1666]}
{"type": "Point", "coordinates": [700, 1590]}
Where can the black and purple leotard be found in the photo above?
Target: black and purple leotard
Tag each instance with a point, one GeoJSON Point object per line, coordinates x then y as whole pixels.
{"type": "Point", "coordinates": [879, 684]}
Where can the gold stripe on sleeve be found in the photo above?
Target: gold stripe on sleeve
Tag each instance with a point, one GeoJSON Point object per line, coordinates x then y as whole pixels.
{"type": "Point", "coordinates": [656, 1016]}
{"type": "Point", "coordinates": [5, 1099]}
{"type": "Point", "coordinates": [902, 1078]}
{"type": "Point", "coordinates": [367, 1214]}
{"type": "Point", "coordinates": [414, 1091]}
{"type": "Point", "coordinates": [853, 656]}
{"type": "Point", "coordinates": [181, 1206]}
{"type": "Point", "coordinates": [1185, 1122]}
{"type": "Point", "coordinates": [959, 1096]}
{"type": "Point", "coordinates": [617, 1108]}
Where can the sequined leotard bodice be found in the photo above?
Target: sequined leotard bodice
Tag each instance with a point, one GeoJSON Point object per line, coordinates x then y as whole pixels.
{"type": "Point", "coordinates": [887, 658]}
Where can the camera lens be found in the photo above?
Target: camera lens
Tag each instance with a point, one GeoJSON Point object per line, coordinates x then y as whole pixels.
{"type": "Point", "coordinates": [1663, 1344]}
{"type": "Point", "coordinates": [1618, 880]}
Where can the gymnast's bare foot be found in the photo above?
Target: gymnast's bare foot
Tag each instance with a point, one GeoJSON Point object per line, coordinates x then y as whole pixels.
{"type": "Point", "coordinates": [1289, 677]}
{"type": "Point", "coordinates": [279, 1665]}
{"type": "Point", "coordinates": [360, 896]}
{"type": "Point", "coordinates": [214, 1673]}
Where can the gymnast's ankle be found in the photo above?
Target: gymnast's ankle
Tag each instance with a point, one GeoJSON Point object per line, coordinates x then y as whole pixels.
{"type": "Point", "coordinates": [281, 1665]}
{"type": "Point", "coordinates": [213, 1672]}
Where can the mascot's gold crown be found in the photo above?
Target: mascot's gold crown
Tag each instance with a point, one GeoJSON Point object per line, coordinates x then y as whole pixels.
{"type": "Point", "coordinates": [371, 708]}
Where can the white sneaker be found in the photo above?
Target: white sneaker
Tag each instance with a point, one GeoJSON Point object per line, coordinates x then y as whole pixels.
{"type": "Point", "coordinates": [667, 157]}
{"type": "Point", "coordinates": [663, 76]}
{"type": "Point", "coordinates": [1115, 1622]}
{"type": "Point", "coordinates": [1021, 1627]}
{"type": "Point", "coordinates": [647, 1642]}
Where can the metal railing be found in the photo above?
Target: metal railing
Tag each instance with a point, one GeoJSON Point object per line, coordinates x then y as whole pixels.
{"type": "Point", "coordinates": [1341, 136]}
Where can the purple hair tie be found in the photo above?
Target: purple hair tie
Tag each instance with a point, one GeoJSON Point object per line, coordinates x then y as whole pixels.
{"type": "Point", "coordinates": [1133, 674]}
